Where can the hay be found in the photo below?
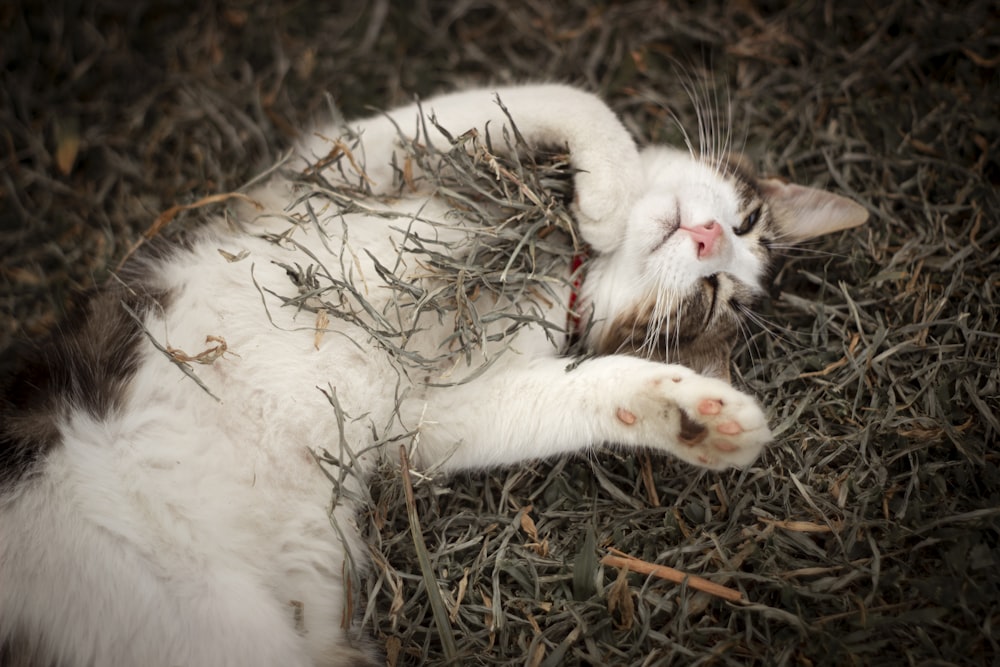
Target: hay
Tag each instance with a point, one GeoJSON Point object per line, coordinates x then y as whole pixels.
{"type": "Point", "coordinates": [504, 272]}
{"type": "Point", "coordinates": [867, 534]}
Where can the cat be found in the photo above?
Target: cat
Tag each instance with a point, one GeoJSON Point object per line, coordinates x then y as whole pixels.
{"type": "Point", "coordinates": [147, 520]}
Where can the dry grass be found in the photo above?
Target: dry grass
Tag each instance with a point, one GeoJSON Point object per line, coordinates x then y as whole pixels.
{"type": "Point", "coordinates": [867, 534]}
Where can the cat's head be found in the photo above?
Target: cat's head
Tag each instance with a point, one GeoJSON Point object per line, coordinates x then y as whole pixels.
{"type": "Point", "coordinates": [693, 260]}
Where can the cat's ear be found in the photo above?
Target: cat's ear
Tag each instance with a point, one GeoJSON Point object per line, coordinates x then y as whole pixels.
{"type": "Point", "coordinates": [802, 213]}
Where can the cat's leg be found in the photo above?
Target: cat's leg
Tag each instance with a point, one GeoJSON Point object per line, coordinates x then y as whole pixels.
{"type": "Point", "coordinates": [544, 407]}
{"type": "Point", "coordinates": [556, 115]}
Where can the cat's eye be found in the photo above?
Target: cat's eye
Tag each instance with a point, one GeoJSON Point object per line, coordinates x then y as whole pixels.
{"type": "Point", "coordinates": [748, 222]}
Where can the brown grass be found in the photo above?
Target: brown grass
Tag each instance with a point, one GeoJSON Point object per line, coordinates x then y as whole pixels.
{"type": "Point", "coordinates": [868, 533]}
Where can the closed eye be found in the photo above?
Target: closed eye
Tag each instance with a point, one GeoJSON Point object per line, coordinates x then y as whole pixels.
{"type": "Point", "coordinates": [748, 223]}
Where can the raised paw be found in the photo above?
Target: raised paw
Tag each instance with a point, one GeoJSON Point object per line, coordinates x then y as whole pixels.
{"type": "Point", "coordinates": [606, 189]}
{"type": "Point", "coordinates": [701, 420]}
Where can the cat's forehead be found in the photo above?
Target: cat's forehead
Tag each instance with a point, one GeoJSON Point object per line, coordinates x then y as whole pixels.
{"type": "Point", "coordinates": [741, 175]}
{"type": "Point", "coordinates": [728, 177]}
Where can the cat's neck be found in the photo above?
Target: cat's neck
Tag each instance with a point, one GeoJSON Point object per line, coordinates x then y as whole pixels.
{"type": "Point", "coordinates": [609, 287]}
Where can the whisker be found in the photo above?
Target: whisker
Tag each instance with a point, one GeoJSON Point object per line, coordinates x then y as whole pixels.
{"type": "Point", "coordinates": [679, 124]}
{"type": "Point", "coordinates": [792, 250]}
{"type": "Point", "coordinates": [715, 115]}
{"type": "Point", "coordinates": [775, 330]}
{"type": "Point", "coordinates": [689, 85]}
{"type": "Point", "coordinates": [751, 343]}
{"type": "Point", "coordinates": [651, 338]}
{"type": "Point", "coordinates": [678, 318]}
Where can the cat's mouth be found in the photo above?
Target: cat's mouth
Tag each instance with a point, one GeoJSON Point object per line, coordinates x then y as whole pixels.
{"type": "Point", "coordinates": [669, 225]}
{"type": "Point", "coordinates": [701, 314]}
{"type": "Point", "coordinates": [700, 310]}
{"type": "Point", "coordinates": [666, 237]}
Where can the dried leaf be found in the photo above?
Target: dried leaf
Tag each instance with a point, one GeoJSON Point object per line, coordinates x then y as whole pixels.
{"type": "Point", "coordinates": [620, 603]}
{"type": "Point", "coordinates": [206, 356]}
{"type": "Point", "coordinates": [67, 135]}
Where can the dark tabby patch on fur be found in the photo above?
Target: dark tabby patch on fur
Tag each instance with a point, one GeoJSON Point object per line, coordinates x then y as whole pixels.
{"type": "Point", "coordinates": [85, 364]}
{"type": "Point", "coordinates": [18, 652]}
{"type": "Point", "coordinates": [700, 332]}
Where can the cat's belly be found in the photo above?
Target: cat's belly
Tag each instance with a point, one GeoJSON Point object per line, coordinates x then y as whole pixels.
{"type": "Point", "coordinates": [189, 498]}
{"type": "Point", "coordinates": [166, 520]}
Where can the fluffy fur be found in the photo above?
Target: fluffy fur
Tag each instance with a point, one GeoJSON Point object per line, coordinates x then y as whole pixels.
{"type": "Point", "coordinates": [160, 526]}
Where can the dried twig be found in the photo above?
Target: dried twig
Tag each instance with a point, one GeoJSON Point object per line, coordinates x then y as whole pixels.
{"type": "Point", "coordinates": [670, 574]}
{"type": "Point", "coordinates": [167, 216]}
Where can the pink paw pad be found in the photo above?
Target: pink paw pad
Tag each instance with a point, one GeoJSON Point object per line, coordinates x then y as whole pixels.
{"type": "Point", "coordinates": [625, 417]}
{"type": "Point", "coordinates": [710, 406]}
{"type": "Point", "coordinates": [724, 446]}
{"type": "Point", "coordinates": [729, 428]}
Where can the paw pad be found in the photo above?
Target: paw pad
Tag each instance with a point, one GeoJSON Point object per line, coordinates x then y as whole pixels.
{"type": "Point", "coordinates": [729, 428]}
{"type": "Point", "coordinates": [626, 417]}
{"type": "Point", "coordinates": [710, 406]}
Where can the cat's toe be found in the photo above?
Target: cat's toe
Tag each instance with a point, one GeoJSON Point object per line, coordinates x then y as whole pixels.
{"type": "Point", "coordinates": [729, 427]}
{"type": "Point", "coordinates": [710, 406]}
{"type": "Point", "coordinates": [701, 420]}
{"type": "Point", "coordinates": [625, 416]}
{"type": "Point", "coordinates": [726, 447]}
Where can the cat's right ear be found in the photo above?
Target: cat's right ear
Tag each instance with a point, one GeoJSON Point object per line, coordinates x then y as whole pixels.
{"type": "Point", "coordinates": [801, 213]}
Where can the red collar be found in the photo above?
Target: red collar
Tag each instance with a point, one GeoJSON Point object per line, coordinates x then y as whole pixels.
{"type": "Point", "coordinates": [577, 273]}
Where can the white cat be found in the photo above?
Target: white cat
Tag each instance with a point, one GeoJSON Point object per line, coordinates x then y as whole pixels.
{"type": "Point", "coordinates": [144, 522]}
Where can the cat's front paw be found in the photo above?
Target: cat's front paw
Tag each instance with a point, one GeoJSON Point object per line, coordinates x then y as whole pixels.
{"type": "Point", "coordinates": [607, 186]}
{"type": "Point", "coordinates": [701, 420]}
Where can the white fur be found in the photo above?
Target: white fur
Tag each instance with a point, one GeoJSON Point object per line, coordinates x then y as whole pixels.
{"type": "Point", "coordinates": [673, 183]}
{"type": "Point", "coordinates": [187, 531]}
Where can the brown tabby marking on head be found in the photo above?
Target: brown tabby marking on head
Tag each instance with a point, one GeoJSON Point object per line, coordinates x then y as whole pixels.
{"type": "Point", "coordinates": [699, 331]}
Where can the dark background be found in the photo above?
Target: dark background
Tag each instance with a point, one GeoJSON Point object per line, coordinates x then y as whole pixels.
{"type": "Point", "coordinates": [867, 534]}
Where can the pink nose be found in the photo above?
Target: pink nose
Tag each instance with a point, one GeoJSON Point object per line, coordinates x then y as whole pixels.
{"type": "Point", "coordinates": [705, 236]}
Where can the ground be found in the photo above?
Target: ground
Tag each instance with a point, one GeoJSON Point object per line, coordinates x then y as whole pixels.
{"type": "Point", "coordinates": [867, 533]}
